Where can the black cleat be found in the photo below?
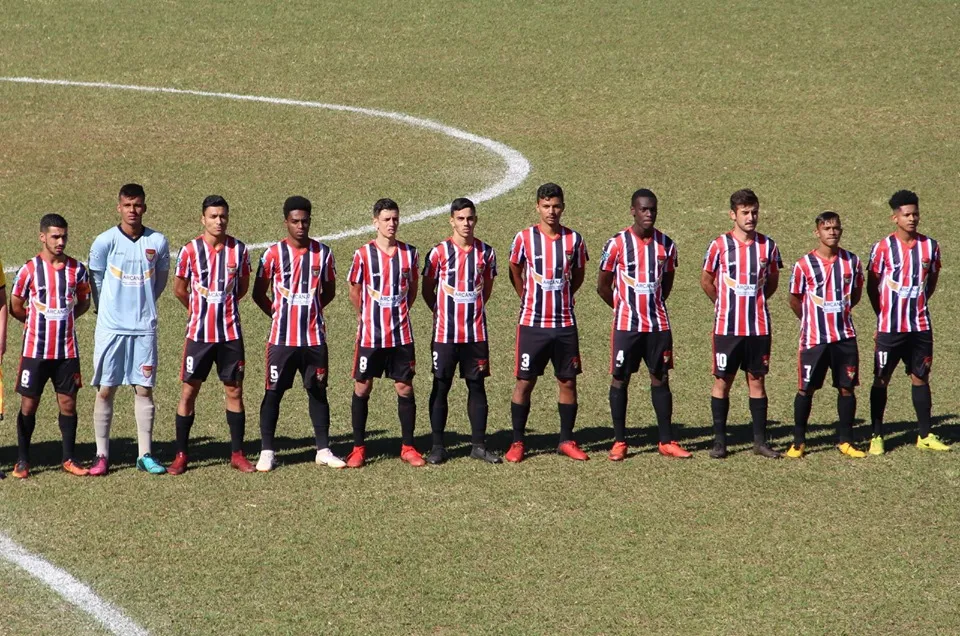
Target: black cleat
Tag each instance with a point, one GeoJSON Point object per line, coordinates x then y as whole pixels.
{"type": "Point", "coordinates": [719, 450]}
{"type": "Point", "coordinates": [764, 450]}
{"type": "Point", "coordinates": [437, 456]}
{"type": "Point", "coordinates": [480, 452]}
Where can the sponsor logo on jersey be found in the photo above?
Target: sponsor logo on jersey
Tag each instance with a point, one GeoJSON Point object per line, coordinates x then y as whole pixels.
{"type": "Point", "coordinates": [740, 289]}
{"type": "Point", "coordinates": [549, 284]}
{"type": "Point", "coordinates": [385, 300]}
{"type": "Point", "coordinates": [640, 287]}
{"type": "Point", "coordinates": [130, 280]}
{"type": "Point", "coordinates": [459, 296]}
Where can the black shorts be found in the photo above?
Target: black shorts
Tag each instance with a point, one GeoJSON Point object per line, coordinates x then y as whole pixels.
{"type": "Point", "coordinates": [732, 353]}
{"type": "Point", "coordinates": [538, 345]}
{"type": "Point", "coordinates": [64, 374]}
{"type": "Point", "coordinates": [397, 363]}
{"type": "Point", "coordinates": [629, 348]}
{"type": "Point", "coordinates": [472, 357]}
{"type": "Point", "coordinates": [198, 359]}
{"type": "Point", "coordinates": [914, 348]}
{"type": "Point", "coordinates": [284, 362]}
{"type": "Point", "coordinates": [841, 357]}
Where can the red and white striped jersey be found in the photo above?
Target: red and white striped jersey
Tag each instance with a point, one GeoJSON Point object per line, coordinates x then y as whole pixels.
{"type": "Point", "coordinates": [384, 304]}
{"type": "Point", "coordinates": [825, 287]}
{"type": "Point", "coordinates": [460, 275]}
{"type": "Point", "coordinates": [214, 274]}
{"type": "Point", "coordinates": [548, 268]}
{"type": "Point", "coordinates": [740, 272]}
{"type": "Point", "coordinates": [297, 276]}
{"type": "Point", "coordinates": [903, 270]}
{"type": "Point", "coordinates": [51, 290]}
{"type": "Point", "coordinates": [638, 266]}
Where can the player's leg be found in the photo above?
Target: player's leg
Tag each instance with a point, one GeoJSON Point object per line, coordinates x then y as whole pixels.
{"type": "Point", "coordinates": [368, 363]}
{"type": "Point", "coordinates": [624, 345]}
{"type": "Point", "coordinates": [845, 367]}
{"type": "Point", "coordinates": [445, 358]}
{"type": "Point", "coordinates": [475, 369]}
{"type": "Point", "coordinates": [812, 367]}
{"type": "Point", "coordinates": [315, 376]}
{"type": "Point", "coordinates": [65, 376]}
{"type": "Point", "coordinates": [195, 365]}
{"type": "Point", "coordinates": [888, 350]}
{"type": "Point", "coordinates": [141, 372]}
{"type": "Point", "coordinates": [401, 367]}
{"type": "Point", "coordinates": [728, 353]}
{"type": "Point", "coordinates": [757, 364]}
{"type": "Point", "coordinates": [108, 365]}
{"type": "Point", "coordinates": [921, 361]}
{"type": "Point", "coordinates": [102, 420]}
{"type": "Point", "coordinates": [32, 376]}
{"type": "Point", "coordinates": [231, 364]}
{"type": "Point", "coordinates": [532, 352]}
{"type": "Point", "coordinates": [658, 355]}
{"type": "Point", "coordinates": [280, 368]}
{"type": "Point", "coordinates": [566, 367]}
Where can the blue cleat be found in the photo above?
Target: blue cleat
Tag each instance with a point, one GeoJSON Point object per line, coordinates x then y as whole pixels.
{"type": "Point", "coordinates": [150, 465]}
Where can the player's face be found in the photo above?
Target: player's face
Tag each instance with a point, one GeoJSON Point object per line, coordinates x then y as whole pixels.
{"type": "Point", "coordinates": [214, 221]}
{"type": "Point", "coordinates": [829, 233]}
{"type": "Point", "coordinates": [550, 210]}
{"type": "Point", "coordinates": [298, 225]}
{"type": "Point", "coordinates": [463, 223]}
{"type": "Point", "coordinates": [907, 217]}
{"type": "Point", "coordinates": [387, 223]}
{"type": "Point", "coordinates": [54, 240]}
{"type": "Point", "coordinates": [745, 217]}
{"type": "Point", "coordinates": [131, 210]}
{"type": "Point", "coordinates": [644, 212]}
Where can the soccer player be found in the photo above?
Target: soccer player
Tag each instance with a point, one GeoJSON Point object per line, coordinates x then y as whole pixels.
{"type": "Point", "coordinates": [458, 279]}
{"type": "Point", "coordinates": [383, 288]}
{"type": "Point", "coordinates": [3, 336]}
{"type": "Point", "coordinates": [636, 276]}
{"type": "Point", "coordinates": [303, 279]}
{"type": "Point", "coordinates": [740, 273]}
{"type": "Point", "coordinates": [213, 274]}
{"type": "Point", "coordinates": [49, 293]}
{"type": "Point", "coordinates": [547, 263]}
{"type": "Point", "coordinates": [825, 287]}
{"type": "Point", "coordinates": [903, 272]}
{"type": "Point", "coordinates": [129, 265]}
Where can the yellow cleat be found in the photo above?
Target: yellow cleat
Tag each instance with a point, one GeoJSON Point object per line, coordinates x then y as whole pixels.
{"type": "Point", "coordinates": [931, 442]}
{"type": "Point", "coordinates": [850, 450]}
{"type": "Point", "coordinates": [796, 452]}
{"type": "Point", "coordinates": [876, 445]}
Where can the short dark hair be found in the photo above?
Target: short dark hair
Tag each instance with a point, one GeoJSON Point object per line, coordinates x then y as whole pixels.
{"type": "Point", "coordinates": [642, 192]}
{"type": "Point", "coordinates": [901, 198]}
{"type": "Point", "coordinates": [462, 203]}
{"type": "Point", "coordinates": [744, 197]}
{"type": "Point", "coordinates": [384, 204]}
{"type": "Point", "coordinates": [297, 202]}
{"type": "Point", "coordinates": [214, 201]}
{"type": "Point", "coordinates": [48, 221]}
{"type": "Point", "coordinates": [825, 217]}
{"type": "Point", "coordinates": [132, 191]}
{"type": "Point", "coordinates": [549, 191]}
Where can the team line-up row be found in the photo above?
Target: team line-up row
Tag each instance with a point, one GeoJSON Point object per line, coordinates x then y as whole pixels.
{"type": "Point", "coordinates": [129, 266]}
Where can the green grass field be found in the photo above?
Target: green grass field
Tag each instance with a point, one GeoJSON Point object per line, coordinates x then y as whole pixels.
{"type": "Point", "coordinates": [814, 105]}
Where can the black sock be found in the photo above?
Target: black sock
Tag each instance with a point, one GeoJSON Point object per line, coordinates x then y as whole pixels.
{"type": "Point", "coordinates": [878, 404]}
{"type": "Point", "coordinates": [477, 411]}
{"type": "Point", "coordinates": [719, 407]}
{"type": "Point", "coordinates": [662, 399]}
{"type": "Point", "coordinates": [801, 416]}
{"type": "Point", "coordinates": [25, 427]}
{"type": "Point", "coordinates": [846, 411]}
{"type": "Point", "coordinates": [269, 414]}
{"type": "Point", "coordinates": [618, 412]}
{"type": "Point", "coordinates": [518, 417]}
{"type": "Point", "coordinates": [358, 418]}
{"type": "Point", "coordinates": [568, 418]}
{"type": "Point", "coordinates": [438, 408]}
{"type": "Point", "coordinates": [319, 416]}
{"type": "Point", "coordinates": [183, 425]}
{"type": "Point", "coordinates": [922, 403]}
{"type": "Point", "coordinates": [407, 413]}
{"type": "Point", "coordinates": [68, 431]}
{"type": "Point", "coordinates": [237, 421]}
{"type": "Point", "coordinates": [758, 413]}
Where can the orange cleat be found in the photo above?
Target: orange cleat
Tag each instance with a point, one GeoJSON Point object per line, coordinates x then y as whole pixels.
{"type": "Point", "coordinates": [515, 453]}
{"type": "Point", "coordinates": [571, 450]}
{"type": "Point", "coordinates": [74, 468]}
{"type": "Point", "coordinates": [618, 453]}
{"type": "Point", "coordinates": [239, 461]}
{"type": "Point", "coordinates": [21, 470]}
{"type": "Point", "coordinates": [410, 455]}
{"type": "Point", "coordinates": [357, 457]}
{"type": "Point", "coordinates": [673, 449]}
{"type": "Point", "coordinates": [179, 465]}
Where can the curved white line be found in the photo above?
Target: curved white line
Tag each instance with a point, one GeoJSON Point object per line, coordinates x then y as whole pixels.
{"type": "Point", "coordinates": [72, 590]}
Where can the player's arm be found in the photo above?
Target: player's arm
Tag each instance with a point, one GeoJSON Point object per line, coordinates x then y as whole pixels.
{"type": "Point", "coordinates": [708, 283]}
{"type": "Point", "coordinates": [605, 286]}
{"type": "Point", "coordinates": [96, 281]}
{"type": "Point", "coordinates": [796, 304]}
{"type": "Point", "coordinates": [576, 280]}
{"type": "Point", "coordinates": [18, 307]}
{"type": "Point", "coordinates": [329, 292]}
{"type": "Point", "coordinates": [3, 322]}
{"type": "Point", "coordinates": [873, 291]}
{"type": "Point", "coordinates": [181, 289]}
{"type": "Point", "coordinates": [856, 295]}
{"type": "Point", "coordinates": [243, 286]}
{"type": "Point", "coordinates": [516, 277]}
{"type": "Point", "coordinates": [160, 278]}
{"type": "Point", "coordinates": [666, 284]}
{"type": "Point", "coordinates": [413, 288]}
{"type": "Point", "coordinates": [430, 291]}
{"type": "Point", "coordinates": [83, 304]}
{"type": "Point", "coordinates": [773, 281]}
{"type": "Point", "coordinates": [260, 287]}
{"type": "Point", "coordinates": [932, 279]}
{"type": "Point", "coordinates": [356, 289]}
{"type": "Point", "coordinates": [487, 288]}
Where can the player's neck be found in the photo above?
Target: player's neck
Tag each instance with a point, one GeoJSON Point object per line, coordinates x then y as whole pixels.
{"type": "Point", "coordinates": [642, 233]}
{"type": "Point", "coordinates": [214, 241]}
{"type": "Point", "coordinates": [743, 236]}
{"type": "Point", "coordinates": [826, 252]}
{"type": "Point", "coordinates": [386, 244]}
{"type": "Point", "coordinates": [905, 236]}
{"type": "Point", "coordinates": [461, 242]}
{"type": "Point", "coordinates": [131, 231]}
{"type": "Point", "coordinates": [53, 259]}
{"type": "Point", "coordinates": [550, 231]}
{"type": "Point", "coordinates": [299, 244]}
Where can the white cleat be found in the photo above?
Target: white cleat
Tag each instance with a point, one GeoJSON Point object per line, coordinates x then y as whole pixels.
{"type": "Point", "coordinates": [325, 457]}
{"type": "Point", "coordinates": [266, 462]}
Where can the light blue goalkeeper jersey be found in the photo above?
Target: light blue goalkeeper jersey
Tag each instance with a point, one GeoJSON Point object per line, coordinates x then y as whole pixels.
{"type": "Point", "coordinates": [129, 275]}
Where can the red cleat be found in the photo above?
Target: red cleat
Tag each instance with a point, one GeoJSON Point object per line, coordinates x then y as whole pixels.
{"type": "Point", "coordinates": [571, 450]}
{"type": "Point", "coordinates": [357, 457]}
{"type": "Point", "coordinates": [239, 461]}
{"type": "Point", "coordinates": [618, 453]}
{"type": "Point", "coordinates": [673, 449]}
{"type": "Point", "coordinates": [74, 468]}
{"type": "Point", "coordinates": [515, 453]}
{"type": "Point", "coordinates": [179, 465]}
{"type": "Point", "coordinates": [410, 455]}
{"type": "Point", "coordinates": [21, 470]}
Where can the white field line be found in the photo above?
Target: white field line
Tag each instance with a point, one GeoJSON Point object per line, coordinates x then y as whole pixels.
{"type": "Point", "coordinates": [517, 166]}
{"type": "Point", "coordinates": [72, 590]}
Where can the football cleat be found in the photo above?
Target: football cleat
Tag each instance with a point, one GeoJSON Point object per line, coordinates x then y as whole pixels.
{"type": "Point", "coordinates": [876, 445]}
{"type": "Point", "coordinates": [719, 450]}
{"type": "Point", "coordinates": [239, 461]}
{"type": "Point", "coordinates": [764, 450]}
{"type": "Point", "coordinates": [325, 457]}
{"type": "Point", "coordinates": [100, 466]}
{"type": "Point", "coordinates": [514, 453]}
{"type": "Point", "coordinates": [796, 452]}
{"type": "Point", "coordinates": [480, 452]}
{"type": "Point", "coordinates": [438, 455]}
{"type": "Point", "coordinates": [74, 468]}
{"type": "Point", "coordinates": [179, 464]}
{"type": "Point", "coordinates": [21, 470]}
{"type": "Point", "coordinates": [850, 450]}
{"type": "Point", "coordinates": [150, 465]}
{"type": "Point", "coordinates": [266, 461]}
{"type": "Point", "coordinates": [571, 450]}
{"type": "Point", "coordinates": [410, 455]}
{"type": "Point", "coordinates": [357, 457]}
{"type": "Point", "coordinates": [618, 452]}
{"type": "Point", "coordinates": [673, 449]}
{"type": "Point", "coordinates": [931, 442]}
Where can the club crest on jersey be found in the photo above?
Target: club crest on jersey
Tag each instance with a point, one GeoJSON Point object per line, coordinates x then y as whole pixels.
{"type": "Point", "coordinates": [925, 263]}
{"type": "Point", "coordinates": [851, 372]}
{"type": "Point", "coordinates": [314, 271]}
{"type": "Point", "coordinates": [146, 370]}
{"type": "Point", "coordinates": [405, 273]}
{"type": "Point", "coordinates": [150, 254]}
{"type": "Point", "coordinates": [847, 279]}
{"type": "Point", "coordinates": [570, 256]}
{"type": "Point", "coordinates": [231, 269]}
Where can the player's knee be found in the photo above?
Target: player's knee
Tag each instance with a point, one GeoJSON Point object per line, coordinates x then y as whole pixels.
{"type": "Point", "coordinates": [659, 380]}
{"type": "Point", "coordinates": [107, 393]}
{"type": "Point", "coordinates": [845, 392]}
{"type": "Point", "coordinates": [881, 382]}
{"type": "Point", "coordinates": [403, 389]}
{"type": "Point", "coordinates": [67, 404]}
{"type": "Point", "coordinates": [141, 391]}
{"type": "Point", "coordinates": [362, 388]}
{"type": "Point", "coordinates": [919, 380]}
{"type": "Point", "coordinates": [619, 384]}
